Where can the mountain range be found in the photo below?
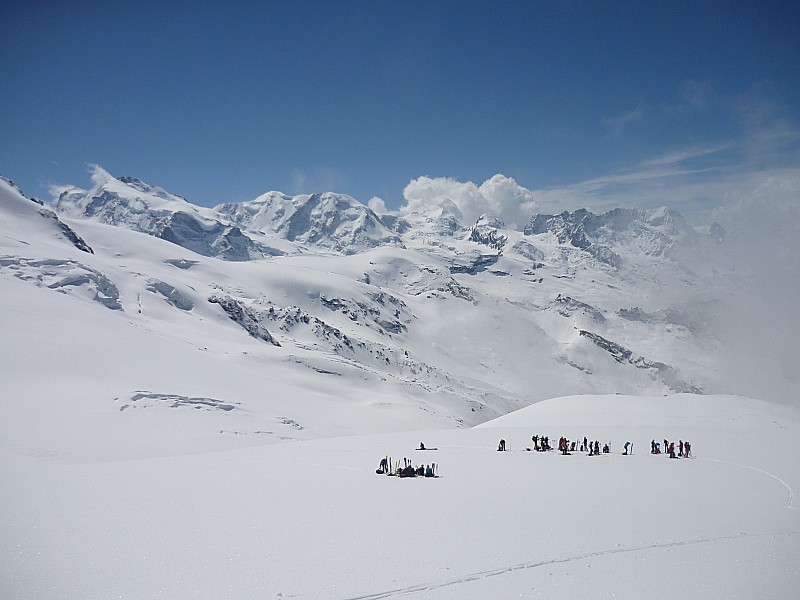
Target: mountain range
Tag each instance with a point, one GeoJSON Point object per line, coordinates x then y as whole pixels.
{"type": "Point", "coordinates": [444, 321]}
{"type": "Point", "coordinates": [195, 400]}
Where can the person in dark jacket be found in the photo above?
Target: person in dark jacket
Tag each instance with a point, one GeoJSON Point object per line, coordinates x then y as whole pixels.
{"type": "Point", "coordinates": [408, 471]}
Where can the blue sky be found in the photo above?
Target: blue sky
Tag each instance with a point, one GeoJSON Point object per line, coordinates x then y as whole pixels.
{"type": "Point", "coordinates": [585, 103]}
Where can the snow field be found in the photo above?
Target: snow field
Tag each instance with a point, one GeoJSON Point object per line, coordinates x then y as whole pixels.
{"type": "Point", "coordinates": [312, 519]}
{"type": "Point", "coordinates": [160, 452]}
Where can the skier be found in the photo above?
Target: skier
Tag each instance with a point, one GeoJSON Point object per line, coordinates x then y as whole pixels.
{"type": "Point", "coordinates": [627, 445]}
{"type": "Point", "coordinates": [408, 471]}
{"type": "Point", "coordinates": [687, 450]}
{"type": "Point", "coordinates": [680, 448]}
{"type": "Point", "coordinates": [421, 446]}
{"type": "Point", "coordinates": [502, 446]}
{"type": "Point", "coordinates": [428, 471]}
{"type": "Point", "coordinates": [384, 468]}
{"type": "Point", "coordinates": [672, 450]}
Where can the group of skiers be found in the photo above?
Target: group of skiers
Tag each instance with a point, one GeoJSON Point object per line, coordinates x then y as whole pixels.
{"type": "Point", "coordinates": [684, 448]}
{"type": "Point", "coordinates": [406, 470]}
{"type": "Point", "coordinates": [541, 443]}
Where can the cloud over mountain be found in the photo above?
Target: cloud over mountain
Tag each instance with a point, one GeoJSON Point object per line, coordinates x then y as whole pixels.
{"type": "Point", "coordinates": [499, 196]}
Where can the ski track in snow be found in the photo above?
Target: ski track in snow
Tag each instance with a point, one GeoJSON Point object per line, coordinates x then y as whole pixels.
{"type": "Point", "coordinates": [414, 589]}
{"type": "Point", "coordinates": [789, 501]}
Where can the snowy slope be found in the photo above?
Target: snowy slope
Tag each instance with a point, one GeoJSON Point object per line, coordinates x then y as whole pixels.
{"type": "Point", "coordinates": [313, 520]}
{"type": "Point", "coordinates": [190, 415]}
{"type": "Point", "coordinates": [440, 323]}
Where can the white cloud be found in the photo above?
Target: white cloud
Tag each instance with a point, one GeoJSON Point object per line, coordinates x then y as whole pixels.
{"type": "Point", "coordinates": [693, 180]}
{"type": "Point", "coordinates": [99, 175]}
{"type": "Point", "coordinates": [499, 196]}
{"type": "Point", "coordinates": [686, 154]}
{"type": "Point", "coordinates": [377, 205]}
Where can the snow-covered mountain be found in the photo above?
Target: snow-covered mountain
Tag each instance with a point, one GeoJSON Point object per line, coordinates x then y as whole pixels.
{"type": "Point", "coordinates": [327, 220]}
{"type": "Point", "coordinates": [461, 321]}
{"type": "Point", "coordinates": [130, 203]}
{"type": "Point", "coordinates": [232, 231]}
{"type": "Point", "coordinates": [653, 232]}
{"type": "Point", "coordinates": [156, 354]}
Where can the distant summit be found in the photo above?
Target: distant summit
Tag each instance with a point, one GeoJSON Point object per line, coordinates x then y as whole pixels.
{"type": "Point", "coordinates": [133, 204]}
{"type": "Point", "coordinates": [652, 232]}
{"type": "Point", "coordinates": [328, 220]}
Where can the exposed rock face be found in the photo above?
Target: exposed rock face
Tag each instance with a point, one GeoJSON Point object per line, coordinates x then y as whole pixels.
{"type": "Point", "coordinates": [657, 369]}
{"type": "Point", "coordinates": [243, 317]}
{"type": "Point", "coordinates": [692, 320]}
{"type": "Point", "coordinates": [529, 251]}
{"type": "Point", "coordinates": [486, 231]}
{"type": "Point", "coordinates": [566, 306]}
{"type": "Point", "coordinates": [652, 232]}
{"type": "Point", "coordinates": [477, 265]}
{"type": "Point", "coordinates": [67, 231]}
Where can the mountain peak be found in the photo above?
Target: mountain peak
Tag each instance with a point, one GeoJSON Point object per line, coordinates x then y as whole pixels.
{"type": "Point", "coordinates": [327, 220]}
{"type": "Point", "coordinates": [113, 197]}
{"type": "Point", "coordinates": [653, 232]}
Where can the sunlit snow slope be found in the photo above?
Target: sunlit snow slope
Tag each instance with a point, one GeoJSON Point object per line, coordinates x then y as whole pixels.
{"type": "Point", "coordinates": [195, 402]}
{"type": "Point", "coordinates": [313, 519]}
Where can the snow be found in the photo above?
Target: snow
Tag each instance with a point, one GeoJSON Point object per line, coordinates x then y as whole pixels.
{"type": "Point", "coordinates": [156, 450]}
{"type": "Point", "coordinates": [313, 520]}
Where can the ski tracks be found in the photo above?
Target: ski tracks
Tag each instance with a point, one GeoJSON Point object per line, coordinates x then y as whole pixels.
{"type": "Point", "coordinates": [789, 501]}
{"type": "Point", "coordinates": [423, 587]}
